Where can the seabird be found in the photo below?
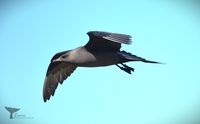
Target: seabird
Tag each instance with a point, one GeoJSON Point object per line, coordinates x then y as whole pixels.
{"type": "Point", "coordinates": [102, 49]}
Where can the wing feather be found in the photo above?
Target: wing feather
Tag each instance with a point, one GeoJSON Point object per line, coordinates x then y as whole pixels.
{"type": "Point", "coordinates": [56, 73]}
{"type": "Point", "coordinates": [101, 41]}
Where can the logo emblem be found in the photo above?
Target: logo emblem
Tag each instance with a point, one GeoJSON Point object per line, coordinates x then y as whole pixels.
{"type": "Point", "coordinates": [11, 111]}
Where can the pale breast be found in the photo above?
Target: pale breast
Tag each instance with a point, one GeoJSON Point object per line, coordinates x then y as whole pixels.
{"type": "Point", "coordinates": [84, 58]}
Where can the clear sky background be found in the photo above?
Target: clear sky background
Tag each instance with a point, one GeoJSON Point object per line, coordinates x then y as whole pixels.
{"type": "Point", "coordinates": [31, 32]}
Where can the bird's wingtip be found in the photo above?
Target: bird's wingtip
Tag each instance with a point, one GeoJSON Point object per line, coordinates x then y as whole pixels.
{"type": "Point", "coordinates": [45, 100]}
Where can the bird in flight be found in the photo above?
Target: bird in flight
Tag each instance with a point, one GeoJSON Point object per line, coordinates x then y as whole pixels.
{"type": "Point", "coordinates": [102, 49]}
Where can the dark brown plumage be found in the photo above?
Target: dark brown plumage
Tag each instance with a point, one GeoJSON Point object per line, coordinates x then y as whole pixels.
{"type": "Point", "coordinates": [103, 49]}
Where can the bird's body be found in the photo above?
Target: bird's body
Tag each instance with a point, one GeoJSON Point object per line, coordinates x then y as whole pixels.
{"type": "Point", "coordinates": [83, 58]}
{"type": "Point", "coordinates": [103, 49]}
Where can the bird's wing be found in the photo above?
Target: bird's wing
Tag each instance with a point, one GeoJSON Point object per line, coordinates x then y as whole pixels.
{"type": "Point", "coordinates": [57, 72]}
{"type": "Point", "coordinates": [106, 41]}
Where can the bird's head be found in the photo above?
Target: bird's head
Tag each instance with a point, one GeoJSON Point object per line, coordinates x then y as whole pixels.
{"type": "Point", "coordinates": [62, 56]}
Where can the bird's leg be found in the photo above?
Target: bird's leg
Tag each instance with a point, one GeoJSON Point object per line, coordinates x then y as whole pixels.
{"type": "Point", "coordinates": [122, 68]}
{"type": "Point", "coordinates": [118, 66]}
{"type": "Point", "coordinates": [125, 68]}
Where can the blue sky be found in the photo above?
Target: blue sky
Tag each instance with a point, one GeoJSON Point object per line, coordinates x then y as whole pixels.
{"type": "Point", "coordinates": [167, 31]}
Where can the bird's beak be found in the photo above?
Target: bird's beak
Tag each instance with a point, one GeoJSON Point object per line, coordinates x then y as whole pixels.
{"type": "Point", "coordinates": [56, 60]}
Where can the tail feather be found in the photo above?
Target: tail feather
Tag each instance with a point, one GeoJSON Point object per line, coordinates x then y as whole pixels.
{"type": "Point", "coordinates": [148, 61]}
{"type": "Point", "coordinates": [131, 57]}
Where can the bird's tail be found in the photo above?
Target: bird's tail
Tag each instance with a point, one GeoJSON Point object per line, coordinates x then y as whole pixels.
{"type": "Point", "coordinates": [130, 57]}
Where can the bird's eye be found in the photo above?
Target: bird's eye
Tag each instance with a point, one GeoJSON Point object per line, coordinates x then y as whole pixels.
{"type": "Point", "coordinates": [65, 56]}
